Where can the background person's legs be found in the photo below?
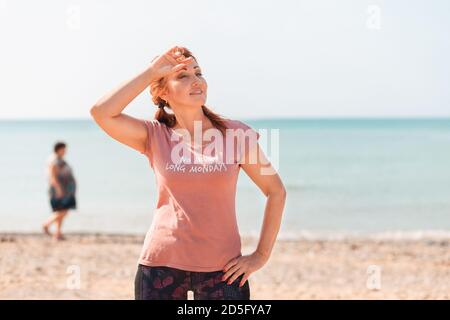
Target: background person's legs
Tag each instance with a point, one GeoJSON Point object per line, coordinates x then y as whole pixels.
{"type": "Point", "coordinates": [57, 217]}
{"type": "Point", "coordinates": [58, 222]}
{"type": "Point", "coordinates": [50, 221]}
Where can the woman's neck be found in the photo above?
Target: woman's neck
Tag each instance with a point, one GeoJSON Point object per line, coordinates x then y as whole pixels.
{"type": "Point", "coordinates": [188, 121]}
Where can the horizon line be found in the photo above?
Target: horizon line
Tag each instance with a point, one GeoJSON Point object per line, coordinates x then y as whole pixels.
{"type": "Point", "coordinates": [346, 117]}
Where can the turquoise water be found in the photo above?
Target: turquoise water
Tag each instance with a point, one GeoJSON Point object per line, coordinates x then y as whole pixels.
{"type": "Point", "coordinates": [342, 175]}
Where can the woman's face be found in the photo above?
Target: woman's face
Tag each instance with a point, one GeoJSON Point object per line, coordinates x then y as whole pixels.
{"type": "Point", "coordinates": [182, 87]}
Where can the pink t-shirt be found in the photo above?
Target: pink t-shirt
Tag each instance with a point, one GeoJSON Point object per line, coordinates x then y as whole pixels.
{"type": "Point", "coordinates": [194, 225]}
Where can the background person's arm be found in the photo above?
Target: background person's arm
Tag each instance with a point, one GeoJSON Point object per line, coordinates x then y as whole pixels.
{"type": "Point", "coordinates": [54, 180]}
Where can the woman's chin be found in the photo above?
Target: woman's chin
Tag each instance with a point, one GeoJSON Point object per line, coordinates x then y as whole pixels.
{"type": "Point", "coordinates": [197, 96]}
{"type": "Point", "coordinates": [198, 99]}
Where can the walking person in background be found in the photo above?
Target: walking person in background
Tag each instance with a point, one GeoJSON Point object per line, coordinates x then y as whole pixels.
{"type": "Point", "coordinates": [193, 243]}
{"type": "Point", "coordinates": [62, 187]}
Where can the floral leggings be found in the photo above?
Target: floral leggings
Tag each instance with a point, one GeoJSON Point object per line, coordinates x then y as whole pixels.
{"type": "Point", "coordinates": [166, 283]}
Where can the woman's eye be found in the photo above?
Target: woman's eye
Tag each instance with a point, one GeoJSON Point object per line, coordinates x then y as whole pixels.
{"type": "Point", "coordinates": [198, 74]}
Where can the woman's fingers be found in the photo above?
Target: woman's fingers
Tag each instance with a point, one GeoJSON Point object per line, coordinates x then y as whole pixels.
{"type": "Point", "coordinates": [183, 61]}
{"type": "Point", "coordinates": [175, 56]}
{"type": "Point", "coordinates": [155, 58]}
{"type": "Point", "coordinates": [244, 278]}
{"type": "Point", "coordinates": [230, 264]}
{"type": "Point", "coordinates": [235, 276]}
{"type": "Point", "coordinates": [230, 272]}
{"type": "Point", "coordinates": [188, 60]}
{"type": "Point", "coordinates": [170, 59]}
{"type": "Point", "coordinates": [172, 55]}
{"type": "Point", "coordinates": [178, 67]}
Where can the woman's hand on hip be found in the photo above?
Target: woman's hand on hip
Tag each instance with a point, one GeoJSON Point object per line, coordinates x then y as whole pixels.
{"type": "Point", "coordinates": [243, 265]}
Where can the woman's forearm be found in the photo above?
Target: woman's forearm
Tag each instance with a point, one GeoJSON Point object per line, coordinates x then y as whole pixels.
{"type": "Point", "coordinates": [113, 103]}
{"type": "Point", "coordinates": [271, 223]}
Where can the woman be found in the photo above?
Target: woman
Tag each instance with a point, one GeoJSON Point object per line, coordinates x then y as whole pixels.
{"type": "Point", "coordinates": [193, 242]}
{"type": "Point", "coordinates": [62, 187]}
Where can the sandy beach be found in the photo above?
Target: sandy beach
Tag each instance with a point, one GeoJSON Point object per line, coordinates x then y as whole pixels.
{"type": "Point", "coordinates": [34, 267]}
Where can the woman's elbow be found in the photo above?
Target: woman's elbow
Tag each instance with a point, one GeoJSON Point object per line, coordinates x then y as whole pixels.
{"type": "Point", "coordinates": [282, 192]}
{"type": "Point", "coordinates": [98, 114]}
{"type": "Point", "coordinates": [279, 192]}
{"type": "Point", "coordinates": [94, 111]}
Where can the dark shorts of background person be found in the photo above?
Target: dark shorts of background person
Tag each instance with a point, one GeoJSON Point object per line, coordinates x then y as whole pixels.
{"type": "Point", "coordinates": [166, 283]}
{"type": "Point", "coordinates": [64, 203]}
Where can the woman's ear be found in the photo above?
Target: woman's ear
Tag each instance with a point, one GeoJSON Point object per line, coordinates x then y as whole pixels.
{"type": "Point", "coordinates": [164, 95]}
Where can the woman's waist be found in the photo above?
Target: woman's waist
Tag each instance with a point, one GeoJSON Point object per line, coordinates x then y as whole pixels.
{"type": "Point", "coordinates": [189, 233]}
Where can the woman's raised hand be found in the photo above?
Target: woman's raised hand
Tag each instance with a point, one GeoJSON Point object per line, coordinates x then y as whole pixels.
{"type": "Point", "coordinates": [170, 61]}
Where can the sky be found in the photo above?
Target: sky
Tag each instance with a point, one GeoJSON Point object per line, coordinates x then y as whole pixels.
{"type": "Point", "coordinates": [261, 59]}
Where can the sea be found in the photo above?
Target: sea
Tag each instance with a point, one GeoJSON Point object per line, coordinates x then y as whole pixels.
{"type": "Point", "coordinates": [387, 177]}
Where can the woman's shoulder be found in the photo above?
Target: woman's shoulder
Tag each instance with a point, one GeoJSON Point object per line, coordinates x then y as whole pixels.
{"type": "Point", "coordinates": [153, 123]}
{"type": "Point", "coordinates": [236, 124]}
{"type": "Point", "coordinates": [239, 124]}
{"type": "Point", "coordinates": [154, 126]}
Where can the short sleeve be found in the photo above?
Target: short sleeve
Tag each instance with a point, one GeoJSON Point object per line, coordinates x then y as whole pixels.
{"type": "Point", "coordinates": [151, 127]}
{"type": "Point", "coordinates": [248, 140]}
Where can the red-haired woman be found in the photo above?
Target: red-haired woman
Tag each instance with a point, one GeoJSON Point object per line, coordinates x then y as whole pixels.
{"type": "Point", "coordinates": [193, 242]}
